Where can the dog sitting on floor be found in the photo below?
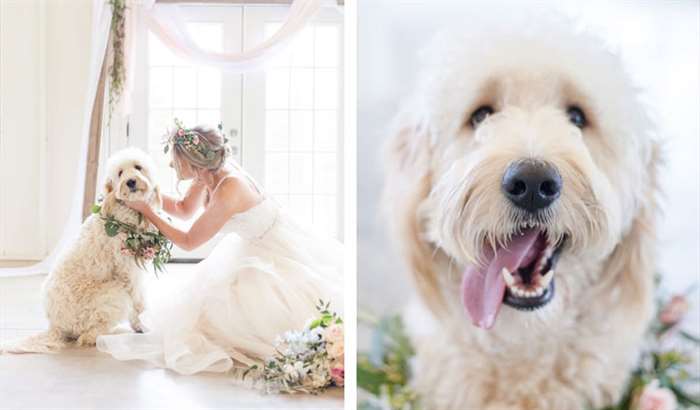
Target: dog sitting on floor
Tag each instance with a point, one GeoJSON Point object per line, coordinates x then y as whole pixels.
{"type": "Point", "coordinates": [521, 185]}
{"type": "Point", "coordinates": [95, 285]}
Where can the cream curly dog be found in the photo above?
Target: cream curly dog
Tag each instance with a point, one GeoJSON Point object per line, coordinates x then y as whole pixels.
{"type": "Point", "coordinates": [94, 286]}
{"type": "Point", "coordinates": [522, 186]}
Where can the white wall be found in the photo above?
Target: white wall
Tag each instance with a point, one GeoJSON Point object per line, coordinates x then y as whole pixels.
{"type": "Point", "coordinates": [21, 113]}
{"type": "Point", "coordinates": [44, 54]}
{"type": "Point", "coordinates": [69, 24]}
{"type": "Point", "coordinates": [659, 39]}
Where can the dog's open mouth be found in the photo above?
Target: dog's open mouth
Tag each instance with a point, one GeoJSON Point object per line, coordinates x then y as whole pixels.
{"type": "Point", "coordinates": [520, 275]}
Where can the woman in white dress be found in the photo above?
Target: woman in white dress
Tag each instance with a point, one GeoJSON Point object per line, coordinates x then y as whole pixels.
{"type": "Point", "coordinates": [263, 278]}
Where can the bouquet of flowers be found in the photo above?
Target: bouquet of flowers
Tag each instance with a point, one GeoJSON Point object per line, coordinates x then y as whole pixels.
{"type": "Point", "coordinates": [308, 360]}
{"type": "Point", "coordinates": [140, 244]}
{"type": "Point", "coordinates": [666, 378]}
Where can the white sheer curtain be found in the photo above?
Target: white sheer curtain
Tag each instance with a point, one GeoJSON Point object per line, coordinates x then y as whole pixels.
{"type": "Point", "coordinates": [168, 23]}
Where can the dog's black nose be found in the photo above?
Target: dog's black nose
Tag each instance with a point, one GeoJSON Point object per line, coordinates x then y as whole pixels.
{"type": "Point", "coordinates": [131, 183]}
{"type": "Point", "coordinates": [531, 185]}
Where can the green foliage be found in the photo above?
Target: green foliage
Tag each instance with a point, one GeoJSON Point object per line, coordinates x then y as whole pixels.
{"type": "Point", "coordinates": [143, 245]}
{"type": "Point", "coordinates": [385, 371]}
{"type": "Point", "coordinates": [117, 68]}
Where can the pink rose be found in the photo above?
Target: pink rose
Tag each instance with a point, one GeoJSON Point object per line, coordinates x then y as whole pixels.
{"type": "Point", "coordinates": [149, 253]}
{"type": "Point", "coordinates": [195, 140]}
{"type": "Point", "coordinates": [338, 375]}
{"type": "Point", "coordinates": [654, 397]}
{"type": "Point", "coordinates": [181, 132]}
{"type": "Point", "coordinates": [674, 310]}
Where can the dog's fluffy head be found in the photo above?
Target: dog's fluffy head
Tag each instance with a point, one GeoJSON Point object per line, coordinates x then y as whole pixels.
{"type": "Point", "coordinates": [509, 92]}
{"type": "Point", "coordinates": [130, 175]}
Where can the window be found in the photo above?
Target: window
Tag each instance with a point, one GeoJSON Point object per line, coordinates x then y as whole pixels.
{"type": "Point", "coordinates": [177, 89]}
{"type": "Point", "coordinates": [284, 124]}
{"type": "Point", "coordinates": [301, 127]}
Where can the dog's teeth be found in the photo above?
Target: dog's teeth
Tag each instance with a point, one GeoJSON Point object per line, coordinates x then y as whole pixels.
{"type": "Point", "coordinates": [508, 277]}
{"type": "Point", "coordinates": [544, 282]}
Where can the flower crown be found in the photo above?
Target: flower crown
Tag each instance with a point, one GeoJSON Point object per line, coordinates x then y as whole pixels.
{"type": "Point", "coordinates": [190, 140]}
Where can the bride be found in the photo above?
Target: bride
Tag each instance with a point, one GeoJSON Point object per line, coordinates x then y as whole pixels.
{"type": "Point", "coordinates": [263, 278]}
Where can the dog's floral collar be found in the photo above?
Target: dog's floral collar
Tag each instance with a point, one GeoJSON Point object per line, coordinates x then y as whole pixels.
{"type": "Point", "coordinates": [140, 244]}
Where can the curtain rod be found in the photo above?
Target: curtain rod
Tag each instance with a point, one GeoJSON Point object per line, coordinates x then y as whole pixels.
{"type": "Point", "coordinates": [241, 2]}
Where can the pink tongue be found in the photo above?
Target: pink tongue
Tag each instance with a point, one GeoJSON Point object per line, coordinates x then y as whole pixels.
{"type": "Point", "coordinates": [483, 287]}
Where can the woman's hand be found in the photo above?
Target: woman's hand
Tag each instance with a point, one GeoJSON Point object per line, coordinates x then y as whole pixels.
{"type": "Point", "coordinates": [139, 206]}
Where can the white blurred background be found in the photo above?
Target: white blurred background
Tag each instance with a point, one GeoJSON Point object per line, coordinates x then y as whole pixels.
{"type": "Point", "coordinates": [659, 40]}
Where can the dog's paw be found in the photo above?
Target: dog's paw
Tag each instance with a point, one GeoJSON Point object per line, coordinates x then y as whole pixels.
{"type": "Point", "coordinates": [86, 340]}
{"type": "Point", "coordinates": [137, 326]}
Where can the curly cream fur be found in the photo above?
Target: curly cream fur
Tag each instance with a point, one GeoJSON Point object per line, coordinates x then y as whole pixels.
{"type": "Point", "coordinates": [443, 197]}
{"type": "Point", "coordinates": [94, 286]}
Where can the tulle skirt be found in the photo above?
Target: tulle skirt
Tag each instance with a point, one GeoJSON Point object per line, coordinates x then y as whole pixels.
{"type": "Point", "coordinates": [237, 301]}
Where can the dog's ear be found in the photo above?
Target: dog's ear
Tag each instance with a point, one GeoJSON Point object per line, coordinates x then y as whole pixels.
{"type": "Point", "coordinates": [108, 203]}
{"type": "Point", "coordinates": [108, 186]}
{"type": "Point", "coordinates": [631, 266]}
{"type": "Point", "coordinates": [407, 184]}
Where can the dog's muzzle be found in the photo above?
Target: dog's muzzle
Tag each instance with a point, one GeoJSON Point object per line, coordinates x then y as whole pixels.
{"type": "Point", "coordinates": [531, 185]}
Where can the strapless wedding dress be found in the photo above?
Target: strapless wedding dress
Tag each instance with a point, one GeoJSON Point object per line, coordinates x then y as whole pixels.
{"type": "Point", "coordinates": [262, 279]}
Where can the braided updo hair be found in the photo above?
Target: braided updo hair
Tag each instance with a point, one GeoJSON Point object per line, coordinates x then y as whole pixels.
{"type": "Point", "coordinates": [211, 153]}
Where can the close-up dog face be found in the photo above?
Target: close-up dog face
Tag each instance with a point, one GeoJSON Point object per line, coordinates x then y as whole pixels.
{"type": "Point", "coordinates": [130, 176]}
{"type": "Point", "coordinates": [522, 173]}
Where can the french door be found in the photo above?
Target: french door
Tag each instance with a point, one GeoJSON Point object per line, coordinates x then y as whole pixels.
{"type": "Point", "coordinates": [284, 124]}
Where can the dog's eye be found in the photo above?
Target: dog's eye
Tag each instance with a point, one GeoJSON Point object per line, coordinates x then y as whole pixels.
{"type": "Point", "coordinates": [120, 173]}
{"type": "Point", "coordinates": [479, 115]}
{"type": "Point", "coordinates": [576, 116]}
{"type": "Point", "coordinates": [138, 167]}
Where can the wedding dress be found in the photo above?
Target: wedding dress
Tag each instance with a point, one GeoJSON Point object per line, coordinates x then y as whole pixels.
{"type": "Point", "coordinates": [263, 278]}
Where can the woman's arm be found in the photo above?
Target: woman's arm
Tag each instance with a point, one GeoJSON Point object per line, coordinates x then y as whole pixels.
{"type": "Point", "coordinates": [231, 197]}
{"type": "Point", "coordinates": [186, 207]}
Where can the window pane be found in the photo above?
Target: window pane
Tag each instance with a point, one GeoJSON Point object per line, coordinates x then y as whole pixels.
{"type": "Point", "coordinates": [276, 128]}
{"type": "Point", "coordinates": [300, 130]}
{"type": "Point", "coordinates": [277, 173]}
{"type": "Point", "coordinates": [158, 123]}
{"type": "Point", "coordinates": [300, 173]}
{"type": "Point", "coordinates": [282, 59]}
{"type": "Point", "coordinates": [326, 49]}
{"type": "Point", "coordinates": [300, 206]}
{"type": "Point", "coordinates": [326, 131]}
{"type": "Point", "coordinates": [159, 54]}
{"type": "Point", "coordinates": [302, 86]}
{"type": "Point", "coordinates": [211, 118]}
{"type": "Point", "coordinates": [303, 49]}
{"type": "Point", "coordinates": [184, 87]}
{"type": "Point", "coordinates": [209, 83]}
{"type": "Point", "coordinates": [160, 90]}
{"type": "Point", "coordinates": [277, 88]}
{"type": "Point", "coordinates": [325, 177]}
{"type": "Point", "coordinates": [326, 89]}
{"type": "Point", "coordinates": [188, 117]}
{"type": "Point", "coordinates": [208, 36]}
{"type": "Point", "coordinates": [325, 214]}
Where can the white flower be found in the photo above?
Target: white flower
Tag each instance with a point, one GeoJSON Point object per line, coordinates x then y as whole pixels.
{"type": "Point", "coordinates": [334, 337]}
